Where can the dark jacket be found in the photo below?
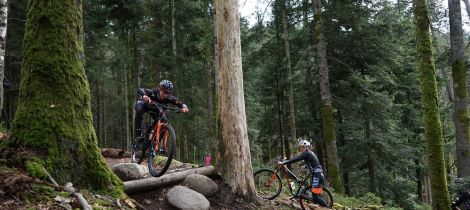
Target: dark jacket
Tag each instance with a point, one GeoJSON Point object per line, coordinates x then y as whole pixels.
{"type": "Point", "coordinates": [310, 160]}
{"type": "Point", "coordinates": [154, 96]}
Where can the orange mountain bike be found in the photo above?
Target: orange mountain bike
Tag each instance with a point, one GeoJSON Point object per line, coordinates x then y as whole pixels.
{"type": "Point", "coordinates": [268, 186]}
{"type": "Point", "coordinates": [160, 138]}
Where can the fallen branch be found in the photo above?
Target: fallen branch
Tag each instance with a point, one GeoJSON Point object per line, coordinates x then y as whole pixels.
{"type": "Point", "coordinates": [140, 185]}
{"type": "Point", "coordinates": [81, 200]}
{"type": "Point", "coordinates": [70, 189]}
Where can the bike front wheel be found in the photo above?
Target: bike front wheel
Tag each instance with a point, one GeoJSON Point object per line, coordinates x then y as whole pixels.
{"type": "Point", "coordinates": [308, 198]}
{"type": "Point", "coordinates": [268, 184]}
{"type": "Point", "coordinates": [161, 155]}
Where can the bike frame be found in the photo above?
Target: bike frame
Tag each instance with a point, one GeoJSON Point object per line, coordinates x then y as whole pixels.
{"type": "Point", "coordinates": [155, 135]}
{"type": "Point", "coordinates": [288, 174]}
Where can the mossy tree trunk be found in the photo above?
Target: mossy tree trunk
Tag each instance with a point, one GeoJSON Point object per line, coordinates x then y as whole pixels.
{"type": "Point", "coordinates": [53, 121]}
{"type": "Point", "coordinates": [459, 75]}
{"type": "Point", "coordinates": [329, 133]}
{"type": "Point", "coordinates": [234, 148]}
{"type": "Point", "coordinates": [432, 121]}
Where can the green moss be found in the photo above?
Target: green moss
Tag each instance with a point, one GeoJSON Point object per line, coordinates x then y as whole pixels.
{"type": "Point", "coordinates": [35, 169]}
{"type": "Point", "coordinates": [45, 190]}
{"type": "Point", "coordinates": [329, 136]}
{"type": "Point", "coordinates": [432, 123]}
{"type": "Point", "coordinates": [53, 117]}
{"type": "Point", "coordinates": [38, 194]}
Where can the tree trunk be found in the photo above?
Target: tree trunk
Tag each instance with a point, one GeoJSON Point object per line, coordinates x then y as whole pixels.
{"type": "Point", "coordinates": [284, 132]}
{"type": "Point", "coordinates": [209, 75]}
{"type": "Point", "coordinates": [419, 180]}
{"type": "Point", "coordinates": [290, 89]}
{"type": "Point", "coordinates": [432, 121]}
{"type": "Point", "coordinates": [234, 149]}
{"type": "Point", "coordinates": [342, 142]}
{"type": "Point", "coordinates": [285, 150]}
{"type": "Point", "coordinates": [329, 133]}
{"type": "Point", "coordinates": [370, 159]}
{"type": "Point", "coordinates": [126, 88]}
{"type": "Point", "coordinates": [459, 75]}
{"type": "Point", "coordinates": [54, 120]}
{"type": "Point", "coordinates": [3, 36]}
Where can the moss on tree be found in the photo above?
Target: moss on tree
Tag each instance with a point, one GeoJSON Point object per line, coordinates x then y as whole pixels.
{"type": "Point", "coordinates": [329, 135]}
{"type": "Point", "coordinates": [432, 122]}
{"type": "Point", "coordinates": [53, 120]}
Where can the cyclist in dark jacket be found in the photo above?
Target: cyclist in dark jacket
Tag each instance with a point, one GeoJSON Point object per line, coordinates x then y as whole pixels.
{"type": "Point", "coordinates": [148, 96]}
{"type": "Point", "coordinates": [314, 167]}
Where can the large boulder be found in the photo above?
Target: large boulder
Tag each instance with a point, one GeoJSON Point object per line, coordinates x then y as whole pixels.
{"type": "Point", "coordinates": [186, 199]}
{"type": "Point", "coordinates": [129, 171]}
{"type": "Point", "coordinates": [201, 184]}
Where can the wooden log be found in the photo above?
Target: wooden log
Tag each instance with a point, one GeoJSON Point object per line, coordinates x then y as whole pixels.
{"type": "Point", "coordinates": [140, 185]}
{"type": "Point", "coordinates": [115, 153]}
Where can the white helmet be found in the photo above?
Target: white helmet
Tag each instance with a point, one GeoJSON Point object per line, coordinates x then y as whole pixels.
{"type": "Point", "coordinates": [304, 142]}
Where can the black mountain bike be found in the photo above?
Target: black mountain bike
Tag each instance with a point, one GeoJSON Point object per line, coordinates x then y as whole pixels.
{"type": "Point", "coordinates": [159, 138]}
{"type": "Point", "coordinates": [268, 185]}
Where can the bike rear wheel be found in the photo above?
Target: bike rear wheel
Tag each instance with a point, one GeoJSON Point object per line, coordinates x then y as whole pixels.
{"type": "Point", "coordinates": [159, 160]}
{"type": "Point", "coordinates": [308, 198]}
{"type": "Point", "coordinates": [268, 184]}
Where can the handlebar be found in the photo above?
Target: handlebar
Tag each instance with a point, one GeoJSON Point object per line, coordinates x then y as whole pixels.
{"type": "Point", "coordinates": [165, 106]}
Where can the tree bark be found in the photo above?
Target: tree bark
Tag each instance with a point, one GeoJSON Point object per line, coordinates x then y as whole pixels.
{"type": "Point", "coordinates": [141, 185]}
{"type": "Point", "coordinates": [54, 121]}
{"type": "Point", "coordinates": [432, 121]}
{"type": "Point", "coordinates": [126, 87]}
{"type": "Point", "coordinates": [234, 149]}
{"type": "Point", "coordinates": [3, 36]}
{"type": "Point", "coordinates": [210, 78]}
{"type": "Point", "coordinates": [459, 76]}
{"type": "Point", "coordinates": [329, 133]}
{"type": "Point", "coordinates": [370, 159]}
{"type": "Point", "coordinates": [288, 68]}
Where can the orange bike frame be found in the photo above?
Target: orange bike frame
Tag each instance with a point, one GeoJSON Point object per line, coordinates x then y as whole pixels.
{"type": "Point", "coordinates": [155, 138]}
{"type": "Point", "coordinates": [283, 170]}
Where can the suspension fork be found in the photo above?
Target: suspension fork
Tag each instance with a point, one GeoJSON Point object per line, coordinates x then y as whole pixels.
{"type": "Point", "coordinates": [155, 135]}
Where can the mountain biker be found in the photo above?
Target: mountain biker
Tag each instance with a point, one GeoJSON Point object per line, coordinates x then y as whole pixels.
{"type": "Point", "coordinates": [463, 196]}
{"type": "Point", "coordinates": [313, 166]}
{"type": "Point", "coordinates": [162, 94]}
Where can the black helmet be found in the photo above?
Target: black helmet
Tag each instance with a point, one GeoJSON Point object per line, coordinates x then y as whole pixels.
{"type": "Point", "coordinates": [166, 85]}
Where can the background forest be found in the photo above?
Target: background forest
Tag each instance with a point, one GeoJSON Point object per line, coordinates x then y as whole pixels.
{"type": "Point", "coordinates": [373, 78]}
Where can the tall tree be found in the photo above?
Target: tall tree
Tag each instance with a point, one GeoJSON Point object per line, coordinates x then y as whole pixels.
{"type": "Point", "coordinates": [234, 149]}
{"type": "Point", "coordinates": [459, 76]}
{"type": "Point", "coordinates": [288, 69]}
{"type": "Point", "coordinates": [208, 48]}
{"type": "Point", "coordinates": [432, 121]}
{"type": "Point", "coordinates": [329, 133]}
{"type": "Point", "coordinates": [53, 122]}
{"type": "Point", "coordinates": [3, 36]}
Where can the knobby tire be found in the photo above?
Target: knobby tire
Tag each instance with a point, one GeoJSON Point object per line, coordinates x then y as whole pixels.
{"type": "Point", "coordinates": [268, 184]}
{"type": "Point", "coordinates": [154, 167]}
